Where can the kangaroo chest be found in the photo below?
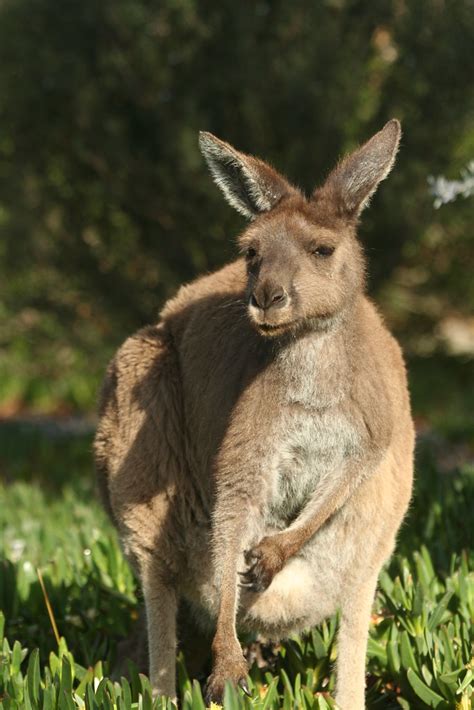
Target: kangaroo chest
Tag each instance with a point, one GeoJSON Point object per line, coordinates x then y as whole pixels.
{"type": "Point", "coordinates": [312, 434]}
{"type": "Point", "coordinates": [307, 449]}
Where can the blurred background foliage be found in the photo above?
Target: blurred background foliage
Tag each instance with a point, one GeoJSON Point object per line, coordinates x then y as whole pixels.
{"type": "Point", "coordinates": [105, 204]}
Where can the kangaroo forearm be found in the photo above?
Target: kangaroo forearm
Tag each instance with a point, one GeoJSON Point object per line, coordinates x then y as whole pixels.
{"type": "Point", "coordinates": [297, 535]}
{"type": "Point", "coordinates": [226, 651]}
{"type": "Point", "coordinates": [228, 595]}
{"type": "Point", "coordinates": [227, 550]}
{"type": "Point", "coordinates": [319, 510]}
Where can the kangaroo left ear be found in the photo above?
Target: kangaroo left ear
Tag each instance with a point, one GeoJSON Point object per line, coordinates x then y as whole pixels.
{"type": "Point", "coordinates": [353, 182]}
{"type": "Point", "coordinates": [248, 184]}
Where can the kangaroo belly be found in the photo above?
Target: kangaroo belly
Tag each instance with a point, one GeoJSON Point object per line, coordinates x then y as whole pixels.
{"type": "Point", "coordinates": [305, 451]}
{"type": "Point", "coordinates": [312, 584]}
{"type": "Point", "coordinates": [308, 449]}
{"type": "Point", "coordinates": [307, 590]}
{"type": "Point", "coordinates": [351, 546]}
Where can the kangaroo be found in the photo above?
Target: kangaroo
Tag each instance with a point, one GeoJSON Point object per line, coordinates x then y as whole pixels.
{"type": "Point", "coordinates": [255, 446]}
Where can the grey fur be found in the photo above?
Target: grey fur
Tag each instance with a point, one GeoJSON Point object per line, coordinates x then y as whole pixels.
{"type": "Point", "coordinates": [273, 440]}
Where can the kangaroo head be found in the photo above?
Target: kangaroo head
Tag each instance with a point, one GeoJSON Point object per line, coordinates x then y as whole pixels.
{"type": "Point", "coordinates": [304, 262]}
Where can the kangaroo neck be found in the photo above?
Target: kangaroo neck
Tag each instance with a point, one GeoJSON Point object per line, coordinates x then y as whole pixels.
{"type": "Point", "coordinates": [314, 369]}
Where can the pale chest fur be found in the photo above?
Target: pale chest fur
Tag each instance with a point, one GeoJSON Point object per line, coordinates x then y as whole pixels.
{"type": "Point", "coordinates": [312, 433]}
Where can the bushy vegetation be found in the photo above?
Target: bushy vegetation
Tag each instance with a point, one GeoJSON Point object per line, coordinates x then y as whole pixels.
{"type": "Point", "coordinates": [105, 202]}
{"type": "Point", "coordinates": [54, 531]}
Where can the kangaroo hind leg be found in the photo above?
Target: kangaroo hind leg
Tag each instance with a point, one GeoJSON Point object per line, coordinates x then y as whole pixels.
{"type": "Point", "coordinates": [161, 606]}
{"type": "Point", "coordinates": [352, 645]}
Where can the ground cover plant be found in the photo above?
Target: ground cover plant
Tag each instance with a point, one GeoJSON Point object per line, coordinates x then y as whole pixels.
{"type": "Point", "coordinates": [55, 535]}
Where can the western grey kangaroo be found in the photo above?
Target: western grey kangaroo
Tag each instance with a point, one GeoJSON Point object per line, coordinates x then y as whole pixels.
{"type": "Point", "coordinates": [255, 446]}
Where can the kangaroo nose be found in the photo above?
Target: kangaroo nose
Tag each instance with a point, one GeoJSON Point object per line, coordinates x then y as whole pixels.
{"type": "Point", "coordinates": [266, 297]}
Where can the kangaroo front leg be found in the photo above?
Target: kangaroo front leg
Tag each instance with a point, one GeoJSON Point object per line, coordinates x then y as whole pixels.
{"type": "Point", "coordinates": [352, 646]}
{"type": "Point", "coordinates": [228, 662]}
{"type": "Point", "coordinates": [161, 611]}
{"type": "Point", "coordinates": [236, 516]}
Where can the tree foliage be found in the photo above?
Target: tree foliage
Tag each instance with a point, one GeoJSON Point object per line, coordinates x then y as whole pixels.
{"type": "Point", "coordinates": [105, 205]}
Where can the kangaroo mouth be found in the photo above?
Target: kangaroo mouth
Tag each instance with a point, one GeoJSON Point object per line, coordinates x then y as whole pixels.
{"type": "Point", "coordinates": [270, 327]}
{"type": "Point", "coordinates": [273, 329]}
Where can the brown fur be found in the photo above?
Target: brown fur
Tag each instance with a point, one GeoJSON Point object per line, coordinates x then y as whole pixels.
{"type": "Point", "coordinates": [263, 427]}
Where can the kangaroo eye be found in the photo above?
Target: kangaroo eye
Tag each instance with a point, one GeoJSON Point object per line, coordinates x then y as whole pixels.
{"type": "Point", "coordinates": [323, 251]}
{"type": "Point", "coordinates": [250, 253]}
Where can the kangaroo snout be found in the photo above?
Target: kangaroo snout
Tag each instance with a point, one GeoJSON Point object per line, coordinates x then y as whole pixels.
{"type": "Point", "coordinates": [268, 295]}
{"type": "Point", "coordinates": [269, 307]}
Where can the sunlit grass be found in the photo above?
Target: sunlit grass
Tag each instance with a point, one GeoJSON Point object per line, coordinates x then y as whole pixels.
{"type": "Point", "coordinates": [420, 649]}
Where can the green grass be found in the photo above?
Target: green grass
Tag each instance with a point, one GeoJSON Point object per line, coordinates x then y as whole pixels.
{"type": "Point", "coordinates": [421, 640]}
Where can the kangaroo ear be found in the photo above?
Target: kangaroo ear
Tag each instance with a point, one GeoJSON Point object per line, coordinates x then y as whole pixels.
{"type": "Point", "coordinates": [353, 182]}
{"type": "Point", "coordinates": [248, 184]}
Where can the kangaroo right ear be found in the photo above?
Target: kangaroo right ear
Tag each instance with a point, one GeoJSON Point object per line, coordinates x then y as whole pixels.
{"type": "Point", "coordinates": [353, 182]}
{"type": "Point", "coordinates": [249, 185]}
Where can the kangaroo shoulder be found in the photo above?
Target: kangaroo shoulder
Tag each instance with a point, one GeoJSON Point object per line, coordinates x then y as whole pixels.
{"type": "Point", "coordinates": [379, 384]}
